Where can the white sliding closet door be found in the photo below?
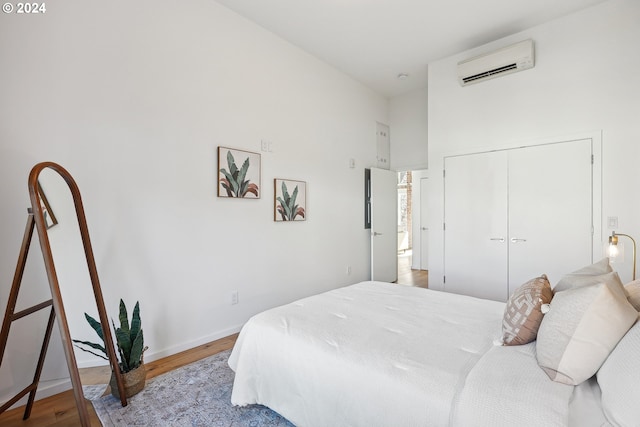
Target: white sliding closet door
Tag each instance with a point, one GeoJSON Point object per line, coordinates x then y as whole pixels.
{"type": "Point", "coordinates": [550, 211]}
{"type": "Point", "coordinates": [476, 225]}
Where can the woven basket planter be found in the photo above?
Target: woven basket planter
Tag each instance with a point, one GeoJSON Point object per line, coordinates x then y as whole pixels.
{"type": "Point", "coordinates": [133, 382]}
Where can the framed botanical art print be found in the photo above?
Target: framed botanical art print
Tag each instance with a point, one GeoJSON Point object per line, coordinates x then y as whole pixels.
{"type": "Point", "coordinates": [290, 200]}
{"type": "Point", "coordinates": [238, 173]}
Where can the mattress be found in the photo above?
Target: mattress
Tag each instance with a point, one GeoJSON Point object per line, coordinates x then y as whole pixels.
{"type": "Point", "coordinates": [381, 354]}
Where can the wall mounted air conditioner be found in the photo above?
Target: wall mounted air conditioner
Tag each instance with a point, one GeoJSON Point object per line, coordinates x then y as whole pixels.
{"type": "Point", "coordinates": [510, 59]}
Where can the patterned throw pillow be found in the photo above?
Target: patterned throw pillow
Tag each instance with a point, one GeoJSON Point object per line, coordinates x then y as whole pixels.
{"type": "Point", "coordinates": [523, 313]}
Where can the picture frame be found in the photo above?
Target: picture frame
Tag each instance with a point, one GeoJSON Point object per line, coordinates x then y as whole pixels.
{"type": "Point", "coordinates": [289, 200]}
{"type": "Point", "coordinates": [49, 217]}
{"type": "Point", "coordinates": [239, 173]}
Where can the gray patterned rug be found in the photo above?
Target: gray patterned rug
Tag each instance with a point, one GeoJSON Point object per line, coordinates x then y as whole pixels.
{"type": "Point", "coordinates": [198, 394]}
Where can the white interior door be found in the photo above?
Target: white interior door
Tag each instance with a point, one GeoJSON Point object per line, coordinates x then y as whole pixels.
{"type": "Point", "coordinates": [550, 210]}
{"type": "Point", "coordinates": [384, 225]}
{"type": "Point", "coordinates": [476, 225]}
{"type": "Point", "coordinates": [424, 225]}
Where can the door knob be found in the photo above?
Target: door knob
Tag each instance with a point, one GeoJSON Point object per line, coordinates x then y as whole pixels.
{"type": "Point", "coordinates": [375, 233]}
{"type": "Point", "coordinates": [499, 239]}
{"type": "Point", "coordinates": [425, 228]}
{"type": "Point", "coordinates": [514, 240]}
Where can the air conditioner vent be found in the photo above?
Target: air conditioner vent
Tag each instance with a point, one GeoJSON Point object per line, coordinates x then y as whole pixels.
{"type": "Point", "coordinates": [510, 59]}
{"type": "Point", "coordinates": [491, 73]}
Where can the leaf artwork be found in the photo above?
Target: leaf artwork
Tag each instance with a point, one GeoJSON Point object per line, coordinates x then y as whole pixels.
{"type": "Point", "coordinates": [234, 181]}
{"type": "Point", "coordinates": [287, 208]}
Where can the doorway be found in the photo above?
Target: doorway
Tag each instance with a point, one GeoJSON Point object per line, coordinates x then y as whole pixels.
{"type": "Point", "coordinates": [410, 266]}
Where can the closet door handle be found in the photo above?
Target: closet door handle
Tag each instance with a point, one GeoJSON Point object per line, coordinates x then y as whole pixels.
{"type": "Point", "coordinates": [499, 239]}
{"type": "Point", "coordinates": [514, 240]}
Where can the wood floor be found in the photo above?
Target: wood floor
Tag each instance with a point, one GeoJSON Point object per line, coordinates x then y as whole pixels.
{"type": "Point", "coordinates": [407, 276]}
{"type": "Point", "coordinates": [60, 410]}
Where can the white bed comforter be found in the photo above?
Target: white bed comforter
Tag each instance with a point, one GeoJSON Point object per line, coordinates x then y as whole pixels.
{"type": "Point", "coordinates": [380, 354]}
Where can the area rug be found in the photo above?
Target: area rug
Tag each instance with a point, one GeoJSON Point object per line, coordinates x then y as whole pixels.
{"type": "Point", "coordinates": [198, 394]}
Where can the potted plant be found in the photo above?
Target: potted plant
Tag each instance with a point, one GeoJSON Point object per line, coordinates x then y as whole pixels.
{"type": "Point", "coordinates": [130, 344]}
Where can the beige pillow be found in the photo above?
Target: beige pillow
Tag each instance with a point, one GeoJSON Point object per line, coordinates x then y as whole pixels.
{"type": "Point", "coordinates": [633, 293]}
{"type": "Point", "coordinates": [522, 314]}
{"type": "Point", "coordinates": [582, 327]}
{"type": "Point", "coordinates": [619, 379]}
{"type": "Point", "coordinates": [585, 276]}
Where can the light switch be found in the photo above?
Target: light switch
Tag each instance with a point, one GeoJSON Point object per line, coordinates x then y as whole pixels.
{"type": "Point", "coordinates": [612, 222]}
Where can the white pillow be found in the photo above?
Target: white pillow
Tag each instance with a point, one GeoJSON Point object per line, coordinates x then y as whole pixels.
{"type": "Point", "coordinates": [582, 327]}
{"type": "Point", "coordinates": [633, 293]}
{"type": "Point", "coordinates": [619, 380]}
{"type": "Point", "coordinates": [585, 276]}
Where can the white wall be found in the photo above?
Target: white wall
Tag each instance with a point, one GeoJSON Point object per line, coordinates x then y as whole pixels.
{"type": "Point", "coordinates": [585, 80]}
{"type": "Point", "coordinates": [408, 123]}
{"type": "Point", "coordinates": [133, 99]}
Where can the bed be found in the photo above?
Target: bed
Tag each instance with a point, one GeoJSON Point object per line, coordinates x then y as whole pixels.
{"type": "Point", "coordinates": [381, 354]}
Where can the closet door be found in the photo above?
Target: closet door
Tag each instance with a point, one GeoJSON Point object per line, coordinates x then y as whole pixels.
{"type": "Point", "coordinates": [476, 225]}
{"type": "Point", "coordinates": [550, 210]}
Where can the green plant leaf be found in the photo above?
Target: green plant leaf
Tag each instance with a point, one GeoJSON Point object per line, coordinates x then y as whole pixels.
{"type": "Point", "coordinates": [233, 186]}
{"type": "Point", "coordinates": [231, 163]}
{"type": "Point", "coordinates": [136, 323]}
{"type": "Point", "coordinates": [225, 184]}
{"type": "Point", "coordinates": [124, 347]}
{"type": "Point", "coordinates": [95, 325]}
{"type": "Point", "coordinates": [243, 171]}
{"type": "Point", "coordinates": [292, 202]}
{"type": "Point", "coordinates": [92, 345]}
{"type": "Point", "coordinates": [285, 209]}
{"type": "Point", "coordinates": [285, 193]}
{"type": "Point", "coordinates": [124, 317]}
{"type": "Point", "coordinates": [136, 351]}
{"type": "Point", "coordinates": [243, 188]}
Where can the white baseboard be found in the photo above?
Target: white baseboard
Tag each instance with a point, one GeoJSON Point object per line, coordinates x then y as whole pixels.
{"type": "Point", "coordinates": [52, 387]}
{"type": "Point", "coordinates": [150, 356]}
{"type": "Point", "coordinates": [45, 389]}
{"type": "Point", "coordinates": [191, 344]}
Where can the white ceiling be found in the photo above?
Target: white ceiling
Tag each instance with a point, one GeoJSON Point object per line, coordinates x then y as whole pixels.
{"type": "Point", "coordinates": [375, 40]}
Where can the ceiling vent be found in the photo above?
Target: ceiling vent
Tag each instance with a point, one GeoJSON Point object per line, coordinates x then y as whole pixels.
{"type": "Point", "coordinates": [510, 59]}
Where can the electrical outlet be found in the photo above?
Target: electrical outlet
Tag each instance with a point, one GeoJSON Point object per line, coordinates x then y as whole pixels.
{"type": "Point", "coordinates": [348, 270]}
{"type": "Point", "coordinates": [234, 297]}
{"type": "Point", "coordinates": [265, 145]}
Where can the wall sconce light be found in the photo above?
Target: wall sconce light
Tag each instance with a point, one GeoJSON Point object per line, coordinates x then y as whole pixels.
{"type": "Point", "coordinates": [613, 248]}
